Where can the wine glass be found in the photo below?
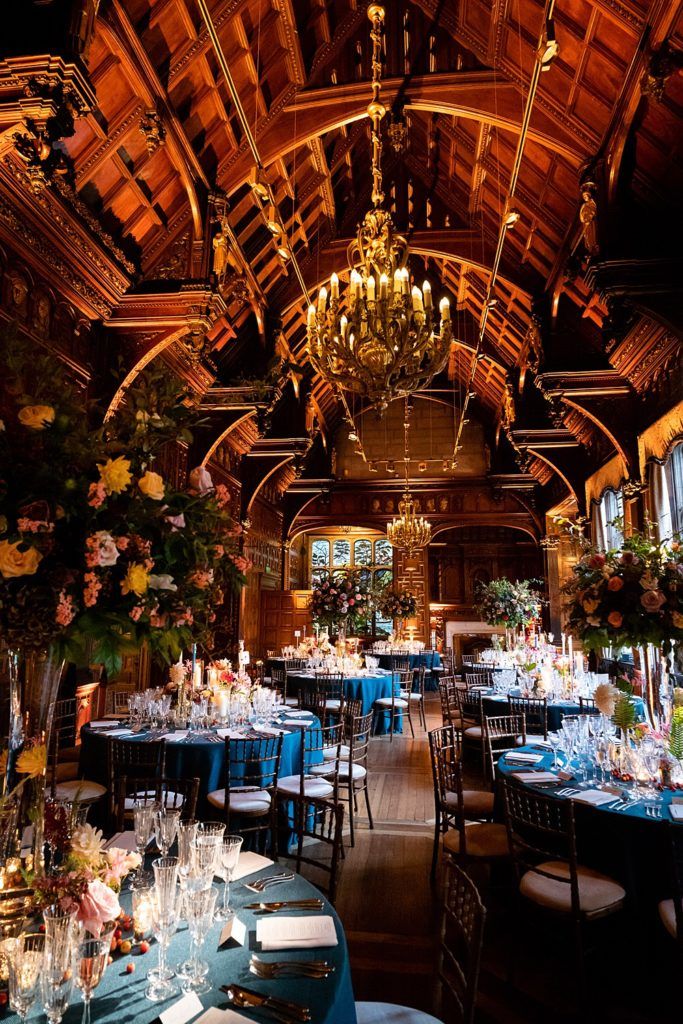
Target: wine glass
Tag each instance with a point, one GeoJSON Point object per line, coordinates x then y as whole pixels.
{"type": "Point", "coordinates": [229, 855]}
{"type": "Point", "coordinates": [166, 821]}
{"type": "Point", "coordinates": [143, 823]}
{"type": "Point", "coordinates": [57, 981]}
{"type": "Point", "coordinates": [200, 916]}
{"type": "Point", "coordinates": [555, 741]}
{"type": "Point", "coordinates": [164, 914]}
{"type": "Point", "coordinates": [92, 956]}
{"type": "Point", "coordinates": [25, 966]}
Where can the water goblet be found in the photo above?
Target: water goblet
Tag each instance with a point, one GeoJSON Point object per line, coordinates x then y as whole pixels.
{"type": "Point", "coordinates": [229, 856]}
{"type": "Point", "coordinates": [25, 966]}
{"type": "Point", "coordinates": [166, 821]}
{"type": "Point", "coordinates": [200, 917]}
{"type": "Point", "coordinates": [57, 981]}
{"type": "Point", "coordinates": [91, 961]}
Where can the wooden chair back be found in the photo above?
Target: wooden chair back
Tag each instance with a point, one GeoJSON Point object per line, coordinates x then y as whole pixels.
{"type": "Point", "coordinates": [502, 733]}
{"type": "Point", "coordinates": [178, 794]}
{"type": "Point", "coordinates": [462, 935]}
{"type": "Point", "coordinates": [535, 711]}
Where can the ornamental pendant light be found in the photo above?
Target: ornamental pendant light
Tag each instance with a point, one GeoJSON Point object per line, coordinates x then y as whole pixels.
{"type": "Point", "coordinates": [408, 531]}
{"type": "Point", "coordinates": [383, 339]}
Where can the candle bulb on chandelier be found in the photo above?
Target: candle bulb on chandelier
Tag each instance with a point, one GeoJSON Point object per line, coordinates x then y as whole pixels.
{"type": "Point", "coordinates": [311, 316]}
{"type": "Point", "coordinates": [334, 288]}
{"type": "Point", "coordinates": [322, 300]}
{"type": "Point", "coordinates": [417, 300]}
{"type": "Point", "coordinates": [383, 286]}
{"type": "Point", "coordinates": [445, 310]}
{"type": "Point", "coordinates": [371, 289]}
{"type": "Point", "coordinates": [405, 277]}
{"type": "Point", "coordinates": [356, 285]}
{"type": "Point", "coordinates": [398, 281]}
{"type": "Point", "coordinates": [343, 324]}
{"type": "Point", "coordinates": [427, 292]}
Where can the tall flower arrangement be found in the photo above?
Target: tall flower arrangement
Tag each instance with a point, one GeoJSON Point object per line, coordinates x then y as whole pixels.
{"type": "Point", "coordinates": [398, 604]}
{"type": "Point", "coordinates": [508, 604]}
{"type": "Point", "coordinates": [629, 596]}
{"type": "Point", "coordinates": [340, 598]}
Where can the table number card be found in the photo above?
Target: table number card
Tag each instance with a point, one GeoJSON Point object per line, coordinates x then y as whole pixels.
{"type": "Point", "coordinates": [233, 933]}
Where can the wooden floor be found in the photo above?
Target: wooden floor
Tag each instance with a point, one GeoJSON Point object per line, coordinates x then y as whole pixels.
{"type": "Point", "coordinates": [391, 917]}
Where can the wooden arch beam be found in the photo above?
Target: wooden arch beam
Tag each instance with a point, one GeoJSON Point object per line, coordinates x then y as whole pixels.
{"type": "Point", "coordinates": [475, 95]}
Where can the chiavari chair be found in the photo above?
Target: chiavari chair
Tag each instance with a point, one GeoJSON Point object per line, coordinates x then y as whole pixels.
{"type": "Point", "coordinates": [173, 794]}
{"type": "Point", "coordinates": [471, 716]}
{"type": "Point", "coordinates": [481, 677]}
{"type": "Point", "coordinates": [129, 757]}
{"type": "Point", "coordinates": [502, 733]}
{"type": "Point", "coordinates": [353, 764]}
{"type": "Point", "coordinates": [535, 711]}
{"type": "Point", "coordinates": [64, 772]}
{"type": "Point", "coordinates": [247, 798]}
{"type": "Point", "coordinates": [671, 910]}
{"type": "Point", "coordinates": [331, 684]}
{"type": "Point", "coordinates": [482, 840]}
{"type": "Point", "coordinates": [450, 710]}
{"type": "Point", "coordinates": [462, 936]}
{"type": "Point", "coordinates": [320, 841]}
{"type": "Point", "coordinates": [415, 695]}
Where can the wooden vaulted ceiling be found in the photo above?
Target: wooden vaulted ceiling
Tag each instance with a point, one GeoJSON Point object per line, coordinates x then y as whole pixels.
{"type": "Point", "coordinates": [456, 71]}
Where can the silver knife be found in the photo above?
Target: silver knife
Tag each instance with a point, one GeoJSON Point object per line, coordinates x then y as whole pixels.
{"type": "Point", "coordinates": [246, 995]}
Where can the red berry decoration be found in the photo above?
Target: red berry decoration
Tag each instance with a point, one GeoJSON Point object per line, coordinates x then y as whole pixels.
{"type": "Point", "coordinates": [144, 946]}
{"type": "Point", "coordinates": [118, 933]}
{"type": "Point", "coordinates": [4, 998]}
{"type": "Point", "coordinates": [130, 967]}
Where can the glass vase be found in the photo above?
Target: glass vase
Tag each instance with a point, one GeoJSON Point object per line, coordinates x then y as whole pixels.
{"type": "Point", "coordinates": [33, 682]}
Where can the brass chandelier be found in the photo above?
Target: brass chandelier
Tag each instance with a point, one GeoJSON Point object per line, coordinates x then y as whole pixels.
{"type": "Point", "coordinates": [408, 531]}
{"type": "Point", "coordinates": [384, 339]}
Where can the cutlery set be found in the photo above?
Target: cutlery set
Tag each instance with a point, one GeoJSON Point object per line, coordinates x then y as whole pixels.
{"type": "Point", "coordinates": [653, 812]}
{"type": "Point", "coordinates": [279, 1009]}
{"type": "Point", "coordinates": [261, 884]}
{"type": "Point", "coordinates": [272, 908]}
{"type": "Point", "coordinates": [296, 968]}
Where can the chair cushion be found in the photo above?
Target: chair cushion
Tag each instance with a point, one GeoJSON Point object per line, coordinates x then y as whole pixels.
{"type": "Point", "coordinates": [171, 799]}
{"type": "Point", "coordinates": [355, 771]}
{"type": "Point", "coordinates": [389, 1013]}
{"type": "Point", "coordinates": [482, 840]}
{"type": "Point", "coordinates": [474, 732]}
{"type": "Point", "coordinates": [667, 912]}
{"type": "Point", "coordinates": [242, 801]}
{"type": "Point", "coordinates": [477, 803]}
{"type": "Point", "coordinates": [80, 789]}
{"type": "Point", "coordinates": [596, 892]}
{"type": "Point", "coordinates": [291, 785]}
{"type": "Point", "coordinates": [66, 771]}
{"type": "Point", "coordinates": [385, 702]}
{"type": "Point", "coordinates": [329, 753]}
{"type": "Point", "coordinates": [326, 768]}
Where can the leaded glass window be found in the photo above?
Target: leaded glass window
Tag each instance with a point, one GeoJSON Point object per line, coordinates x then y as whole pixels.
{"type": "Point", "coordinates": [341, 553]}
{"type": "Point", "coordinates": [383, 552]}
{"type": "Point", "coordinates": [362, 552]}
{"type": "Point", "coordinates": [320, 553]}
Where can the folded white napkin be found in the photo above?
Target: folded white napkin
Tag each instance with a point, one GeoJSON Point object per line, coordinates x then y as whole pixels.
{"type": "Point", "coordinates": [522, 757]}
{"type": "Point", "coordinates": [103, 723]}
{"type": "Point", "coordinates": [535, 777]}
{"type": "Point", "coordinates": [594, 797]}
{"type": "Point", "coordinates": [297, 722]}
{"type": "Point", "coordinates": [299, 714]}
{"type": "Point", "coordinates": [123, 840]}
{"type": "Point", "coordinates": [248, 863]}
{"type": "Point", "coordinates": [266, 730]}
{"type": "Point", "coordinates": [119, 732]}
{"type": "Point", "coordinates": [281, 932]}
{"type": "Point", "coordinates": [676, 811]}
{"type": "Point", "coordinates": [175, 737]}
{"type": "Point", "coordinates": [230, 734]}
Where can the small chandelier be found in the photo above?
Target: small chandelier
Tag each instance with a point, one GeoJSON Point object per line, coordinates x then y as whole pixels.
{"type": "Point", "coordinates": [408, 531]}
{"type": "Point", "coordinates": [384, 339]}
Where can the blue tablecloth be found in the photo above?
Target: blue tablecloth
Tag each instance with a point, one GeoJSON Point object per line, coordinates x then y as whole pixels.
{"type": "Point", "coordinates": [120, 997]}
{"type": "Point", "coordinates": [195, 758]}
{"type": "Point", "coordinates": [430, 660]}
{"type": "Point", "coordinates": [497, 704]}
{"type": "Point", "coordinates": [365, 688]}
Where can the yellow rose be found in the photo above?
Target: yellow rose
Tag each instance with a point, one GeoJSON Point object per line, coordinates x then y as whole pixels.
{"type": "Point", "coordinates": [37, 417]}
{"type": "Point", "coordinates": [152, 485]}
{"type": "Point", "coordinates": [14, 562]}
{"type": "Point", "coordinates": [136, 580]}
{"type": "Point", "coordinates": [590, 605]}
{"type": "Point", "coordinates": [115, 474]}
{"type": "Point", "coordinates": [32, 761]}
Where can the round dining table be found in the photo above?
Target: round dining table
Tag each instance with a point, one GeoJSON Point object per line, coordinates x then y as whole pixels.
{"type": "Point", "coordinates": [367, 688]}
{"type": "Point", "coordinates": [199, 755]}
{"type": "Point", "coordinates": [497, 704]}
{"type": "Point", "coordinates": [430, 659]}
{"type": "Point", "coordinates": [120, 997]}
{"type": "Point", "coordinates": [625, 837]}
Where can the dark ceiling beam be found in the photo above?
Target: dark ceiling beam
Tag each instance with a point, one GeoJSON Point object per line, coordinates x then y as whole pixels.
{"type": "Point", "coordinates": [477, 95]}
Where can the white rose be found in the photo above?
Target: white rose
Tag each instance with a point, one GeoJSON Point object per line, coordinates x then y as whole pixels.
{"type": "Point", "coordinates": [200, 480]}
{"type": "Point", "coordinates": [161, 582]}
{"type": "Point", "coordinates": [108, 552]}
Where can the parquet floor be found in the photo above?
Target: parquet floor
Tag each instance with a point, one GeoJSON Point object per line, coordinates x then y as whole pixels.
{"type": "Point", "coordinates": [391, 917]}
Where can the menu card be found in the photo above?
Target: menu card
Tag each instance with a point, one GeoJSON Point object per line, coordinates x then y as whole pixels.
{"type": "Point", "coordinates": [281, 932]}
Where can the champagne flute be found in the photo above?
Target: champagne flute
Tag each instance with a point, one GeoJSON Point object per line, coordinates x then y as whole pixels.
{"type": "Point", "coordinates": [229, 855]}
{"type": "Point", "coordinates": [200, 916]}
{"type": "Point", "coordinates": [92, 959]}
{"type": "Point", "coordinates": [143, 822]}
{"type": "Point", "coordinates": [165, 919]}
{"type": "Point", "coordinates": [25, 966]}
{"type": "Point", "coordinates": [57, 981]}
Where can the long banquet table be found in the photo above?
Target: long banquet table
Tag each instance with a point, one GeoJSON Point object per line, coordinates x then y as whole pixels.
{"type": "Point", "coordinates": [367, 688]}
{"type": "Point", "coordinates": [120, 998]}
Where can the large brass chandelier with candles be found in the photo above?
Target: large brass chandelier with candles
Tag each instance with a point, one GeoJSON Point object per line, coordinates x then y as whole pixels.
{"type": "Point", "coordinates": [383, 338]}
{"type": "Point", "coordinates": [408, 531]}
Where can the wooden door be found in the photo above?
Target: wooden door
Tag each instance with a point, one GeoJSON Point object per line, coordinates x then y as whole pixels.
{"type": "Point", "coordinates": [283, 612]}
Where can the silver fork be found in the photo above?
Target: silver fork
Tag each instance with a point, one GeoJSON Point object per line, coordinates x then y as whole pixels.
{"type": "Point", "coordinates": [277, 970]}
{"type": "Point", "coordinates": [262, 884]}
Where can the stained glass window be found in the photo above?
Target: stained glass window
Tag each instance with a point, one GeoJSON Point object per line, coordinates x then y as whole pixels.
{"type": "Point", "coordinates": [341, 552]}
{"type": "Point", "coordinates": [365, 577]}
{"type": "Point", "coordinates": [383, 577]}
{"type": "Point", "coordinates": [383, 552]}
{"type": "Point", "coordinates": [362, 552]}
{"type": "Point", "coordinates": [320, 553]}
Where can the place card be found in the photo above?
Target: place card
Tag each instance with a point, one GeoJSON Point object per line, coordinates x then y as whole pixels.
{"type": "Point", "coordinates": [185, 1009]}
{"type": "Point", "coordinates": [294, 713]}
{"type": "Point", "coordinates": [248, 864]}
{"type": "Point", "coordinates": [233, 932]}
{"type": "Point", "coordinates": [281, 932]}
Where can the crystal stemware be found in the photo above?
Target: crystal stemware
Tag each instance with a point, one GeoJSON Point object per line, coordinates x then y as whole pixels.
{"type": "Point", "coordinates": [200, 916]}
{"type": "Point", "coordinates": [143, 824]}
{"type": "Point", "coordinates": [92, 956]}
{"type": "Point", "coordinates": [229, 855]}
{"type": "Point", "coordinates": [166, 821]}
{"type": "Point", "coordinates": [164, 914]}
{"type": "Point", "coordinates": [25, 966]}
{"type": "Point", "coordinates": [555, 741]}
{"type": "Point", "coordinates": [57, 980]}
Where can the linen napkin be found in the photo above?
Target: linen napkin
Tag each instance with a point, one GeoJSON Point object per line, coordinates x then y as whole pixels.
{"type": "Point", "coordinates": [249, 863]}
{"type": "Point", "coordinates": [298, 714]}
{"type": "Point", "coordinates": [521, 757]}
{"type": "Point", "coordinates": [676, 811]}
{"type": "Point", "coordinates": [266, 730]}
{"type": "Point", "coordinates": [280, 932]}
{"type": "Point", "coordinates": [124, 841]}
{"type": "Point", "coordinates": [535, 777]}
{"type": "Point", "coordinates": [104, 723]}
{"type": "Point", "coordinates": [231, 734]}
{"type": "Point", "coordinates": [175, 737]}
{"type": "Point", "coordinates": [119, 732]}
{"type": "Point", "coordinates": [297, 722]}
{"type": "Point", "coordinates": [594, 797]}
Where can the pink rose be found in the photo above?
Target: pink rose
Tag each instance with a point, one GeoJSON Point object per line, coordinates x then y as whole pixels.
{"type": "Point", "coordinates": [652, 600]}
{"type": "Point", "coordinates": [98, 905]}
{"type": "Point", "coordinates": [615, 583]}
{"type": "Point", "coordinates": [628, 558]}
{"type": "Point", "coordinates": [200, 480]}
{"type": "Point", "coordinates": [351, 601]}
{"type": "Point", "coordinates": [597, 560]}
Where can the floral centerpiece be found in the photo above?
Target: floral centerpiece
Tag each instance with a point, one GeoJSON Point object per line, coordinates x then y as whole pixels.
{"type": "Point", "coordinates": [398, 604]}
{"type": "Point", "coordinates": [508, 604]}
{"type": "Point", "coordinates": [88, 879]}
{"type": "Point", "coordinates": [340, 600]}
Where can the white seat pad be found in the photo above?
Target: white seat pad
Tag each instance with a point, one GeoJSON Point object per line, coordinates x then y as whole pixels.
{"type": "Point", "coordinates": [596, 892]}
{"type": "Point", "coordinates": [389, 1013]}
{"type": "Point", "coordinates": [329, 753]}
{"type": "Point", "coordinates": [80, 789]}
{"type": "Point", "coordinates": [474, 732]}
{"type": "Point", "coordinates": [291, 785]}
{"type": "Point", "coordinates": [249, 801]}
{"type": "Point", "coordinates": [333, 702]}
{"type": "Point", "coordinates": [385, 702]}
{"type": "Point", "coordinates": [355, 771]}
